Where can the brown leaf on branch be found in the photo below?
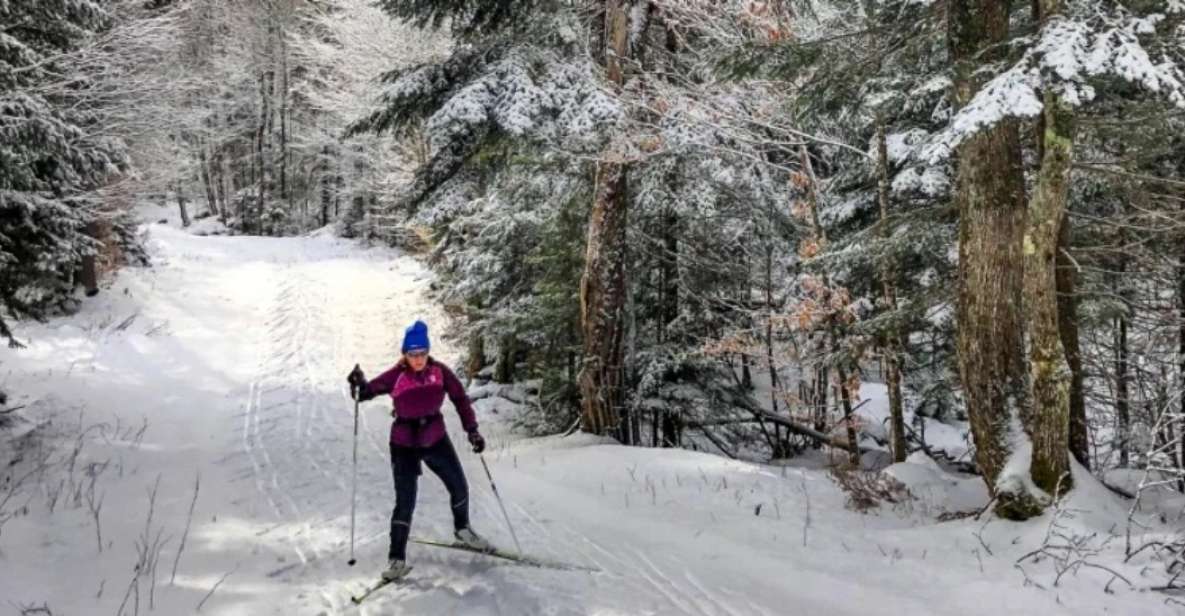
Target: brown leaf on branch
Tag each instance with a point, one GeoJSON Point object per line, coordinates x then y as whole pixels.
{"type": "Point", "coordinates": [808, 248]}
{"type": "Point", "coordinates": [800, 209]}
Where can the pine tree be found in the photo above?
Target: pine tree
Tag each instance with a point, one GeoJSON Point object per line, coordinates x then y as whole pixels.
{"type": "Point", "coordinates": [513, 120]}
{"type": "Point", "coordinates": [49, 158]}
{"type": "Point", "coordinates": [505, 118]}
{"type": "Point", "coordinates": [870, 83]}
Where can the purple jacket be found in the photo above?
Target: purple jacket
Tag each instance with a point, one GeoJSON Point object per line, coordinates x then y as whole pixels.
{"type": "Point", "coordinates": [420, 394]}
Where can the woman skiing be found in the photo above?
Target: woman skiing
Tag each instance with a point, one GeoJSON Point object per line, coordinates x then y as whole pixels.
{"type": "Point", "coordinates": [417, 384]}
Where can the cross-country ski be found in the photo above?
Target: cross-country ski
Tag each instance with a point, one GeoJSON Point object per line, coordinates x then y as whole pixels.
{"type": "Point", "coordinates": [521, 559]}
{"type": "Point", "coordinates": [383, 582]}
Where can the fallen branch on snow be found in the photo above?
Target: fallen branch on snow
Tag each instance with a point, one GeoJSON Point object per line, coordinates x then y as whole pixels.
{"type": "Point", "coordinates": [215, 587]}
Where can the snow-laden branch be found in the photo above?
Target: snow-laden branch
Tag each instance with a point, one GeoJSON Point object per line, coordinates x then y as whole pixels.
{"type": "Point", "coordinates": [1068, 55]}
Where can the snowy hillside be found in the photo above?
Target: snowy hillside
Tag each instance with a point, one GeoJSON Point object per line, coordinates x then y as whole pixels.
{"type": "Point", "coordinates": [225, 362]}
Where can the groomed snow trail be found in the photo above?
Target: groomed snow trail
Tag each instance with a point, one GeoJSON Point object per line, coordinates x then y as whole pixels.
{"type": "Point", "coordinates": [237, 356]}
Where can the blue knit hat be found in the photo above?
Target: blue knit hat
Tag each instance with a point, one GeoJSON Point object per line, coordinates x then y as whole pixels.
{"type": "Point", "coordinates": [415, 337]}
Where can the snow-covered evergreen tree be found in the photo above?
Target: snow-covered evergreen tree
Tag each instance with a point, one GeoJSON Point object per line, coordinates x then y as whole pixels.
{"type": "Point", "coordinates": [50, 157]}
{"type": "Point", "coordinates": [514, 121]}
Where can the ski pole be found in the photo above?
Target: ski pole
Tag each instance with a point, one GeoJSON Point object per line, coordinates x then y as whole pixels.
{"type": "Point", "coordinates": [497, 496]}
{"type": "Point", "coordinates": [354, 482]}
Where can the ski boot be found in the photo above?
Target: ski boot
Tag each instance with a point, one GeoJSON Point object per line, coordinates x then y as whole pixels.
{"type": "Point", "coordinates": [472, 540]}
{"type": "Point", "coordinates": [395, 570]}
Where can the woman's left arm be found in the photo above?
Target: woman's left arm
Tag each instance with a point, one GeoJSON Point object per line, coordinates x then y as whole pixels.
{"type": "Point", "coordinates": [456, 393]}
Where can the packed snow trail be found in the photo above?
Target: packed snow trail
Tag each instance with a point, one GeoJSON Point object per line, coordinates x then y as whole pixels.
{"type": "Point", "coordinates": [237, 354]}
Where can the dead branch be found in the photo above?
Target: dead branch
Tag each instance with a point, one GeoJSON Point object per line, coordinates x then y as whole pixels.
{"type": "Point", "coordinates": [30, 610]}
{"type": "Point", "coordinates": [215, 587]}
{"type": "Point", "coordinates": [197, 484]}
{"type": "Point", "coordinates": [715, 441]}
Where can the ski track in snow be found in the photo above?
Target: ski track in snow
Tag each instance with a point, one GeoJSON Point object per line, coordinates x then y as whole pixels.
{"type": "Point", "coordinates": [296, 425]}
{"type": "Point", "coordinates": [265, 331]}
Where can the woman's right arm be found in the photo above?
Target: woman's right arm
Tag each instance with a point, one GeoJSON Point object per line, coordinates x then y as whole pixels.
{"type": "Point", "coordinates": [383, 383]}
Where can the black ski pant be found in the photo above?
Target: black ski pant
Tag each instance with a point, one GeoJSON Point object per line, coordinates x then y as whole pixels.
{"type": "Point", "coordinates": [442, 460]}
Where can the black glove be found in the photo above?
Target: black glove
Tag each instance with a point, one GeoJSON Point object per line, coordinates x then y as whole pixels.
{"type": "Point", "coordinates": [479, 443]}
{"type": "Point", "coordinates": [357, 381]}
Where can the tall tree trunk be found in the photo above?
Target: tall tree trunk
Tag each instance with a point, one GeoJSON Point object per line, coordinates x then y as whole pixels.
{"type": "Point", "coordinates": [670, 277]}
{"type": "Point", "coordinates": [602, 302]}
{"type": "Point", "coordinates": [339, 184]}
{"type": "Point", "coordinates": [1181, 355]}
{"type": "Point", "coordinates": [671, 423]}
{"type": "Point", "coordinates": [504, 366]}
{"type": "Point", "coordinates": [263, 147]}
{"type": "Point", "coordinates": [602, 285]}
{"type": "Point", "coordinates": [821, 383]}
{"type": "Point", "coordinates": [849, 422]}
{"type": "Point", "coordinates": [207, 179]}
{"type": "Point", "coordinates": [892, 340]}
{"type": "Point", "coordinates": [285, 192]}
{"type": "Point", "coordinates": [1122, 394]}
{"type": "Point", "coordinates": [672, 429]}
{"type": "Point", "coordinates": [991, 202]}
{"type": "Point", "coordinates": [182, 203]}
{"type": "Point", "coordinates": [476, 357]}
{"type": "Point", "coordinates": [326, 177]}
{"type": "Point", "coordinates": [660, 322]}
{"type": "Point", "coordinates": [746, 372]}
{"type": "Point", "coordinates": [819, 401]}
{"type": "Point", "coordinates": [90, 261]}
{"type": "Point", "coordinates": [1067, 322]}
{"type": "Point", "coordinates": [776, 442]}
{"type": "Point", "coordinates": [769, 329]}
{"type": "Point", "coordinates": [357, 215]}
{"type": "Point", "coordinates": [1049, 372]}
{"type": "Point", "coordinates": [219, 165]}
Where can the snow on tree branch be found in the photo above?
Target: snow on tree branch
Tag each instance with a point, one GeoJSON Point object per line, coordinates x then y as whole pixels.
{"type": "Point", "coordinates": [1070, 55]}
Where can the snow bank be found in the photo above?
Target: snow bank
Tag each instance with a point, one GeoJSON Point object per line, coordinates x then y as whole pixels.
{"type": "Point", "coordinates": [952, 439]}
{"type": "Point", "coordinates": [939, 491]}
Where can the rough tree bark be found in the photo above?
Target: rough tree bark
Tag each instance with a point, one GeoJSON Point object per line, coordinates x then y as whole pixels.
{"type": "Point", "coordinates": [504, 365]}
{"type": "Point", "coordinates": [1067, 322]}
{"type": "Point", "coordinates": [990, 198]}
{"type": "Point", "coordinates": [476, 355]}
{"type": "Point", "coordinates": [1049, 372]}
{"type": "Point", "coordinates": [602, 285]}
{"type": "Point", "coordinates": [602, 302]}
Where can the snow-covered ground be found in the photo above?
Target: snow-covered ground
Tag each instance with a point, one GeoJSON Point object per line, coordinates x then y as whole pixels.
{"type": "Point", "coordinates": [234, 350]}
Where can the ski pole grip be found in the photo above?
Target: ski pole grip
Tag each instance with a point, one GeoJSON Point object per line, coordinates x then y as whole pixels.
{"type": "Point", "coordinates": [354, 385]}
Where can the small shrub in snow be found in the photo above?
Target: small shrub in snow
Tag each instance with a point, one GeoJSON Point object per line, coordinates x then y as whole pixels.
{"type": "Point", "coordinates": [868, 489]}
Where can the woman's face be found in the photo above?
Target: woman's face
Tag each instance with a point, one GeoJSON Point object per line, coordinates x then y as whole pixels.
{"type": "Point", "coordinates": [417, 359]}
